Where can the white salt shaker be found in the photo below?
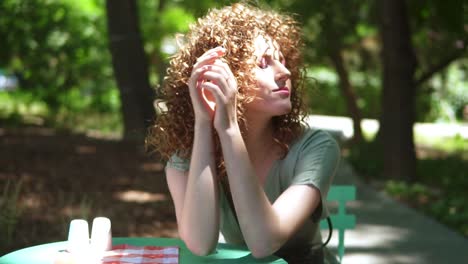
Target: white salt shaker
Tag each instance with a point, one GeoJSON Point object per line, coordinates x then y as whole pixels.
{"type": "Point", "coordinates": [78, 236]}
{"type": "Point", "coordinates": [101, 236]}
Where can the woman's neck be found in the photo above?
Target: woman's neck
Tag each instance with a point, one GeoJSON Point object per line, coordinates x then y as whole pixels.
{"type": "Point", "coordinates": [260, 139]}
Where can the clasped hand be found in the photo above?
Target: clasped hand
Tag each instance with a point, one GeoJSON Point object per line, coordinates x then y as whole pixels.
{"type": "Point", "coordinates": [213, 90]}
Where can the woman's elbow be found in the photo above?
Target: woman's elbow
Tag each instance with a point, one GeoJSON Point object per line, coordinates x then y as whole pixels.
{"type": "Point", "coordinates": [199, 243]}
{"type": "Point", "coordinates": [263, 250]}
{"type": "Point", "coordinates": [200, 248]}
{"type": "Point", "coordinates": [261, 253]}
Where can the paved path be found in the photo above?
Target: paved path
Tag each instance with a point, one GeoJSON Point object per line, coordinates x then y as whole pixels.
{"type": "Point", "coordinates": [389, 232]}
{"type": "Point", "coordinates": [344, 127]}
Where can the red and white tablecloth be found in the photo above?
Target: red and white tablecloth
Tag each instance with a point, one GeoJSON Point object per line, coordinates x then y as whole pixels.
{"type": "Point", "coordinates": [127, 254]}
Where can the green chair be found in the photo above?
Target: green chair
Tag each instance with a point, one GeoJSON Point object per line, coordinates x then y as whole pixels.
{"type": "Point", "coordinates": [341, 221]}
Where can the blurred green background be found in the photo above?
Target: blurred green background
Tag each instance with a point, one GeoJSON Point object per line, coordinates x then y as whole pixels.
{"type": "Point", "coordinates": [87, 67]}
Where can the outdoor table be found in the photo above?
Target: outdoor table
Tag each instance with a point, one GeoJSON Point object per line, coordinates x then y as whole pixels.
{"type": "Point", "coordinates": [45, 253]}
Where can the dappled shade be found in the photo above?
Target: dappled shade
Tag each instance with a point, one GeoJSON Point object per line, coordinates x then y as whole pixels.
{"type": "Point", "coordinates": [70, 176]}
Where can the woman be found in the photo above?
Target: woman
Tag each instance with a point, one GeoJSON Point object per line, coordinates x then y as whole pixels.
{"type": "Point", "coordinates": [239, 159]}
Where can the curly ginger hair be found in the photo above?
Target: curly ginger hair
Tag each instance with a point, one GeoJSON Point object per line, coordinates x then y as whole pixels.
{"type": "Point", "coordinates": [234, 27]}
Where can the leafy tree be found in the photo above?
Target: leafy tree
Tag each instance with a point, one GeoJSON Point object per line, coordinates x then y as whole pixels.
{"type": "Point", "coordinates": [440, 40]}
{"type": "Point", "coordinates": [162, 21]}
{"type": "Point", "coordinates": [57, 50]}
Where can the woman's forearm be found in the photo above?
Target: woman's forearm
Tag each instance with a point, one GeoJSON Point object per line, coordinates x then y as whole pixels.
{"type": "Point", "coordinates": [199, 226]}
{"type": "Point", "coordinates": [257, 219]}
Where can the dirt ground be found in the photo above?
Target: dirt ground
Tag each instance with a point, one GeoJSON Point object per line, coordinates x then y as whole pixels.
{"type": "Point", "coordinates": [67, 176]}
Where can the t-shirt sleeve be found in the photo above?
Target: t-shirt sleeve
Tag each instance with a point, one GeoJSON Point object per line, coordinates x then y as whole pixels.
{"type": "Point", "coordinates": [316, 165]}
{"type": "Point", "coordinates": [178, 163]}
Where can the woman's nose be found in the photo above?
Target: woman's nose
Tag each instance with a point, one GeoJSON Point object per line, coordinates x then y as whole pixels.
{"type": "Point", "coordinates": [282, 73]}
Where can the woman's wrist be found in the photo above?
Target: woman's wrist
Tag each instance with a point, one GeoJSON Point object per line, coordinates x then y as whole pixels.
{"type": "Point", "coordinates": [230, 131]}
{"type": "Point", "coordinates": [202, 123]}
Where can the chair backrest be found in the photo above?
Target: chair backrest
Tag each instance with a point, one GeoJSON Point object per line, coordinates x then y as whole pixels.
{"type": "Point", "coordinates": [341, 221]}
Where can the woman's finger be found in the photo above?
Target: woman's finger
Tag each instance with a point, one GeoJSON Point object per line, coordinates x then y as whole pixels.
{"type": "Point", "coordinates": [227, 71]}
{"type": "Point", "coordinates": [195, 78]}
{"type": "Point", "coordinates": [209, 56]}
{"type": "Point", "coordinates": [209, 59]}
{"type": "Point", "coordinates": [215, 91]}
{"type": "Point", "coordinates": [217, 78]}
{"type": "Point", "coordinates": [218, 69]}
{"type": "Point", "coordinates": [220, 51]}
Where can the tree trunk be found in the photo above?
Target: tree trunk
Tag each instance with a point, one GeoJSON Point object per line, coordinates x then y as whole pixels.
{"type": "Point", "coordinates": [398, 96]}
{"type": "Point", "coordinates": [348, 92]}
{"type": "Point", "coordinates": [334, 44]}
{"type": "Point", "coordinates": [130, 67]}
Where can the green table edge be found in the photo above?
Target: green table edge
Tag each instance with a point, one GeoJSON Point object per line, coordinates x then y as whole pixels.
{"type": "Point", "coordinates": [232, 254]}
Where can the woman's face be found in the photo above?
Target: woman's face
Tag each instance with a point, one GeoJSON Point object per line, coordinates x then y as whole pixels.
{"type": "Point", "coordinates": [272, 96]}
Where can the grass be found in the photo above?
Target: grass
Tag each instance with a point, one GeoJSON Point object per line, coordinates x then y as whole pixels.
{"type": "Point", "coordinates": [98, 125]}
{"type": "Point", "coordinates": [10, 212]}
{"type": "Point", "coordinates": [13, 209]}
{"type": "Point", "coordinates": [447, 145]}
{"type": "Point", "coordinates": [19, 108]}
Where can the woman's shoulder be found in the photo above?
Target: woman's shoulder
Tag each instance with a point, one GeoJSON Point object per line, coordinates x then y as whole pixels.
{"type": "Point", "coordinates": [311, 158]}
{"type": "Point", "coordinates": [312, 136]}
{"type": "Point", "coordinates": [312, 143]}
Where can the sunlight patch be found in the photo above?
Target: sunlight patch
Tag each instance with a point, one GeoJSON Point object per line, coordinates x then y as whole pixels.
{"type": "Point", "coordinates": [140, 196]}
{"type": "Point", "coordinates": [153, 166]}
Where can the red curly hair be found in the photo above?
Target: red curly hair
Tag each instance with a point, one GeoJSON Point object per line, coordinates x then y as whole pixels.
{"type": "Point", "coordinates": [234, 27]}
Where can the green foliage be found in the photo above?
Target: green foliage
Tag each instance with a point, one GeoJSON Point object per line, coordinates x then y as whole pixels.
{"type": "Point", "coordinates": [408, 192]}
{"type": "Point", "coordinates": [437, 30]}
{"type": "Point", "coordinates": [443, 204]}
{"type": "Point", "coordinates": [20, 102]}
{"type": "Point", "coordinates": [456, 145]}
{"type": "Point", "coordinates": [80, 115]}
{"type": "Point", "coordinates": [449, 95]}
{"type": "Point", "coordinates": [9, 212]}
{"type": "Point", "coordinates": [160, 24]}
{"type": "Point", "coordinates": [326, 98]}
{"type": "Point", "coordinates": [449, 173]}
{"type": "Point", "coordinates": [57, 48]}
{"type": "Point", "coordinates": [438, 34]}
{"type": "Point", "coordinates": [366, 158]}
{"type": "Point", "coordinates": [450, 176]}
{"type": "Point", "coordinates": [176, 19]}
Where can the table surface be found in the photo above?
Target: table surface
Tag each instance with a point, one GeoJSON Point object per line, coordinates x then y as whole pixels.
{"type": "Point", "coordinates": [45, 254]}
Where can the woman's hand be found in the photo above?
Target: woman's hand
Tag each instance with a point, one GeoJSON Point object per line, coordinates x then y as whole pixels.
{"type": "Point", "coordinates": [203, 108]}
{"type": "Point", "coordinates": [213, 80]}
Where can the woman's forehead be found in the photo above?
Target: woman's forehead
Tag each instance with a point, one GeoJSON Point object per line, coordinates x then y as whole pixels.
{"type": "Point", "coordinates": [263, 44]}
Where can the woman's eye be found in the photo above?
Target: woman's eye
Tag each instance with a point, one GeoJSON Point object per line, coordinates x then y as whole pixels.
{"type": "Point", "coordinates": [263, 64]}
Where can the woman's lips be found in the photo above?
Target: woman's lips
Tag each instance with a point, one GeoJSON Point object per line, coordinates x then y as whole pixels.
{"type": "Point", "coordinates": [283, 90]}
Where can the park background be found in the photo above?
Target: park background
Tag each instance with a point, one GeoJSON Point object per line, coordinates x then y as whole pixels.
{"type": "Point", "coordinates": [76, 97]}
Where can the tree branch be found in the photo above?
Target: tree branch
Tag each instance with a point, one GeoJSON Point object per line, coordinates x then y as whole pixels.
{"type": "Point", "coordinates": [440, 66]}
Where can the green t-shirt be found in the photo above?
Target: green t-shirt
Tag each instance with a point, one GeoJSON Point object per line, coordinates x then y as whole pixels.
{"type": "Point", "coordinates": [312, 160]}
